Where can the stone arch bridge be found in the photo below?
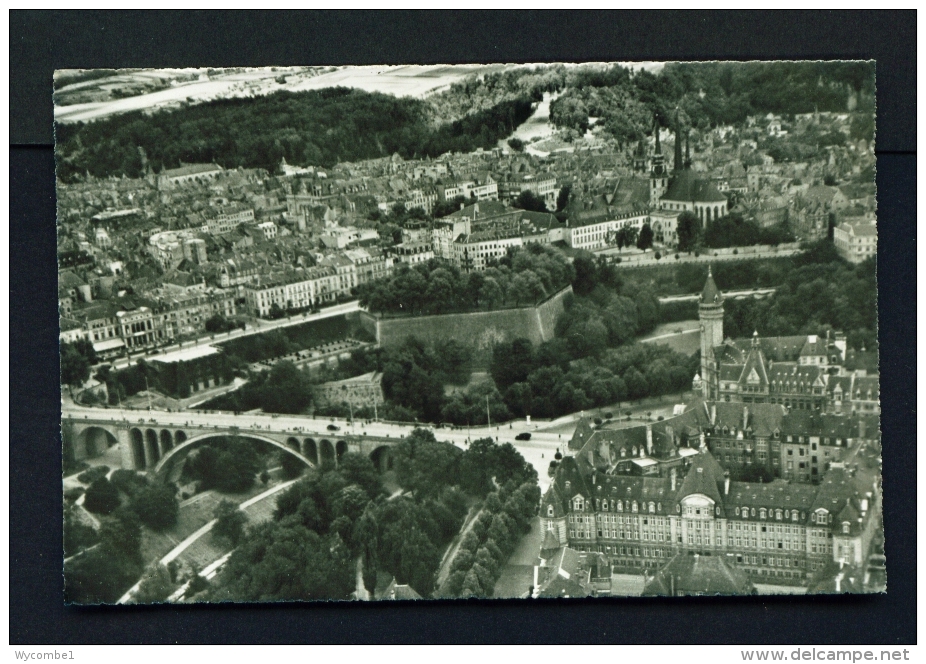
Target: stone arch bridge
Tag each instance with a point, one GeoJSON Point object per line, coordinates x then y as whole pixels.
{"type": "Point", "coordinates": [146, 444]}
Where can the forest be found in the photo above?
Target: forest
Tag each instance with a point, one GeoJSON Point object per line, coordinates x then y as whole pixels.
{"type": "Point", "coordinates": [319, 127]}
{"type": "Point", "coordinates": [329, 520]}
{"type": "Point", "coordinates": [708, 94]}
{"type": "Point", "coordinates": [820, 292]}
{"type": "Point", "coordinates": [324, 127]}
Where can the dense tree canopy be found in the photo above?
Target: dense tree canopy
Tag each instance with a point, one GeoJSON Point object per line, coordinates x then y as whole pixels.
{"type": "Point", "coordinates": [525, 276]}
{"type": "Point", "coordinates": [688, 230]}
{"type": "Point", "coordinates": [821, 292]}
{"type": "Point", "coordinates": [228, 465]}
{"type": "Point", "coordinates": [733, 231]}
{"type": "Point", "coordinates": [710, 93]}
{"type": "Point", "coordinates": [320, 127]}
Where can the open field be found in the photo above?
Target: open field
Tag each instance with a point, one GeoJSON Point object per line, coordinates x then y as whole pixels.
{"type": "Point", "coordinates": [681, 336]}
{"type": "Point", "coordinates": [401, 81]}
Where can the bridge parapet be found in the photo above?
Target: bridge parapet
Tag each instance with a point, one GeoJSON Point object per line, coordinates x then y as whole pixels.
{"type": "Point", "coordinates": [147, 444]}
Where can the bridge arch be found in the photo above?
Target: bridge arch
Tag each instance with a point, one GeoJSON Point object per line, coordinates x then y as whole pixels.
{"type": "Point", "coordinates": [310, 450]}
{"type": "Point", "coordinates": [167, 441]}
{"type": "Point", "coordinates": [326, 454]}
{"type": "Point", "coordinates": [179, 436]}
{"type": "Point", "coordinates": [382, 458]}
{"type": "Point", "coordinates": [340, 449]}
{"type": "Point", "coordinates": [293, 444]}
{"type": "Point", "coordinates": [93, 441]}
{"type": "Point", "coordinates": [137, 441]}
{"type": "Point", "coordinates": [195, 440]}
{"type": "Point", "coordinates": [152, 453]}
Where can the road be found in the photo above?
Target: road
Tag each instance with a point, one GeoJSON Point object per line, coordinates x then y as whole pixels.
{"type": "Point", "coordinates": [728, 295]}
{"type": "Point", "coordinates": [538, 451]}
{"type": "Point", "coordinates": [257, 327]}
{"type": "Point", "coordinates": [630, 260]}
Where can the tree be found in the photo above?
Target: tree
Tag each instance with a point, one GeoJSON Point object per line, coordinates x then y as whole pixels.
{"type": "Point", "coordinates": [645, 238]}
{"type": "Point", "coordinates": [121, 534]}
{"type": "Point", "coordinates": [562, 199]}
{"type": "Point", "coordinates": [230, 523]}
{"type": "Point", "coordinates": [157, 506]}
{"type": "Point", "coordinates": [688, 230]}
{"type": "Point", "coordinates": [424, 465]}
{"type": "Point", "coordinates": [292, 465]}
{"type": "Point", "coordinates": [286, 561]}
{"type": "Point", "coordinates": [286, 389]}
{"type": "Point", "coordinates": [528, 200]}
{"type": "Point", "coordinates": [472, 587]}
{"type": "Point", "coordinates": [218, 323]}
{"type": "Point", "coordinates": [101, 497]}
{"type": "Point", "coordinates": [77, 536]}
{"type": "Point", "coordinates": [358, 469]}
{"type": "Point", "coordinates": [75, 368]}
{"type": "Point", "coordinates": [511, 362]}
{"type": "Point", "coordinates": [155, 586]}
{"type": "Point", "coordinates": [516, 144]}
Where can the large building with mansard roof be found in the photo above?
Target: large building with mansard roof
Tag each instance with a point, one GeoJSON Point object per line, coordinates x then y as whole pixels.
{"type": "Point", "coordinates": [682, 500]}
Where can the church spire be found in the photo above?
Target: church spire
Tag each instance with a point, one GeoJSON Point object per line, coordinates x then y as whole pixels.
{"type": "Point", "coordinates": [656, 131]}
{"type": "Point", "coordinates": [687, 151]}
{"type": "Point", "coordinates": [678, 143]}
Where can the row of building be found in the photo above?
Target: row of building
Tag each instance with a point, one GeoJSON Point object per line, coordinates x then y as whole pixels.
{"type": "Point", "coordinates": [683, 500]}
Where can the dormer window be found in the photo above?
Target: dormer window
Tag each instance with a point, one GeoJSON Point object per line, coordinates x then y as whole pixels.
{"type": "Point", "coordinates": [578, 503]}
{"type": "Point", "coordinates": [634, 506]}
{"type": "Point", "coordinates": [794, 515]}
{"type": "Point", "coordinates": [845, 527]}
{"type": "Point", "coordinates": [778, 514]}
{"type": "Point", "coordinates": [652, 508]}
{"type": "Point", "coordinates": [762, 513]}
{"type": "Point", "coordinates": [620, 506]}
{"type": "Point", "coordinates": [549, 510]}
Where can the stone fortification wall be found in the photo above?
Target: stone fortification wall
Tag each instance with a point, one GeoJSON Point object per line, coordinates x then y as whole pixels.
{"type": "Point", "coordinates": [479, 329]}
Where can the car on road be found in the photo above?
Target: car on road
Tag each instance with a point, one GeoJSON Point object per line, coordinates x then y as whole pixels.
{"type": "Point", "coordinates": [523, 436]}
{"type": "Point", "coordinates": [333, 427]}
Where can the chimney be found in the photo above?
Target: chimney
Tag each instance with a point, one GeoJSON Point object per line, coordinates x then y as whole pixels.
{"type": "Point", "coordinates": [594, 476]}
{"type": "Point", "coordinates": [713, 414]}
{"type": "Point", "coordinates": [726, 483]}
{"type": "Point", "coordinates": [649, 439]}
{"type": "Point", "coordinates": [864, 505]}
{"type": "Point", "coordinates": [745, 417]}
{"type": "Point", "coordinates": [672, 477]}
{"type": "Point", "coordinates": [838, 583]}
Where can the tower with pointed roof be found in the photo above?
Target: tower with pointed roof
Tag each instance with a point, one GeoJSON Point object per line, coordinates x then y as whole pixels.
{"type": "Point", "coordinates": [710, 316]}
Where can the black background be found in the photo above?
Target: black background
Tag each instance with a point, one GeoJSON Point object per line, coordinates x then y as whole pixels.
{"type": "Point", "coordinates": [41, 41]}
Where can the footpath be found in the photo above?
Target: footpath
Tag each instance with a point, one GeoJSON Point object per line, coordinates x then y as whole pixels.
{"type": "Point", "coordinates": [210, 570]}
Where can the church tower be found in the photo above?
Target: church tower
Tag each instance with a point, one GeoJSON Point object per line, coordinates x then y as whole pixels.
{"type": "Point", "coordinates": [710, 315]}
{"type": "Point", "coordinates": [658, 178]}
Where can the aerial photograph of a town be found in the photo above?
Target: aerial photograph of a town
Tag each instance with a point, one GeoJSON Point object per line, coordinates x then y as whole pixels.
{"type": "Point", "coordinates": [557, 330]}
